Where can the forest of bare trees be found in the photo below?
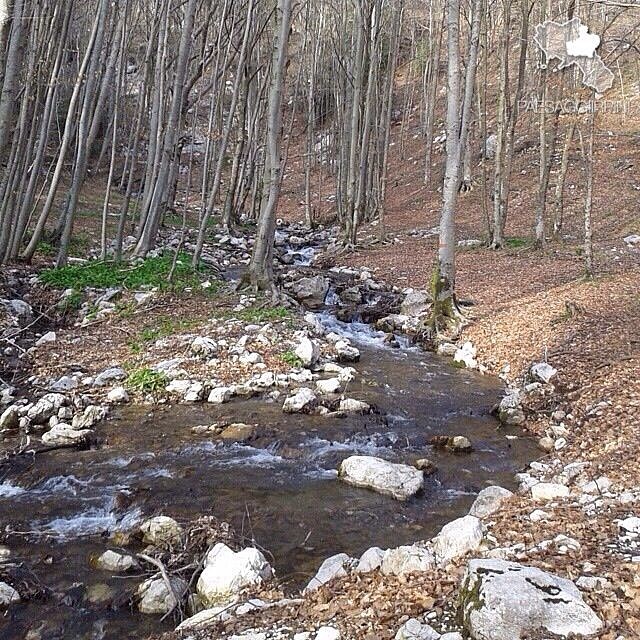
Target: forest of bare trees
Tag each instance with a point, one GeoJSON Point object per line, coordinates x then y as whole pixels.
{"type": "Point", "coordinates": [195, 108]}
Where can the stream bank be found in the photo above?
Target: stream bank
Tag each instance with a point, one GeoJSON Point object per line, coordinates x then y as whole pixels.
{"type": "Point", "coordinates": [276, 484]}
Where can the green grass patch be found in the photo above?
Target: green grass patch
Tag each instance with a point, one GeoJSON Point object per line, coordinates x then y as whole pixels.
{"type": "Point", "coordinates": [517, 242]}
{"type": "Point", "coordinates": [267, 314]}
{"type": "Point", "coordinates": [290, 358]}
{"type": "Point", "coordinates": [165, 327]}
{"type": "Point", "coordinates": [152, 272]}
{"type": "Point", "coordinates": [46, 249]}
{"type": "Point", "coordinates": [71, 302]}
{"type": "Point", "coordinates": [146, 380]}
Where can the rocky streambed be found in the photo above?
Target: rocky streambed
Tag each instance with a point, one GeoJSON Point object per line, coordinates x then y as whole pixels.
{"type": "Point", "coordinates": [274, 480]}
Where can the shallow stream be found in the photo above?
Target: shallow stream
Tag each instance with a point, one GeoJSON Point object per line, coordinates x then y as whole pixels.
{"type": "Point", "coordinates": [281, 490]}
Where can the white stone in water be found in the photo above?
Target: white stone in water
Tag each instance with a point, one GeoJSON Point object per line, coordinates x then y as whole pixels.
{"type": "Point", "coordinates": [346, 352]}
{"type": "Point", "coordinates": [334, 567]}
{"type": "Point", "coordinates": [545, 491]}
{"type": "Point", "coordinates": [10, 418]}
{"type": "Point", "coordinates": [8, 595]}
{"type": "Point", "coordinates": [489, 501]}
{"type": "Point", "coordinates": [466, 355]}
{"type": "Point", "coordinates": [503, 600]}
{"type": "Point", "coordinates": [407, 559]}
{"type": "Point", "coordinates": [303, 400]}
{"type": "Point", "coordinates": [399, 481]}
{"type": "Point", "coordinates": [161, 531]}
{"type": "Point", "coordinates": [156, 598]}
{"type": "Point", "coordinates": [308, 351]}
{"type": "Point", "coordinates": [447, 349]}
{"type": "Point", "coordinates": [220, 395]}
{"type": "Point", "coordinates": [115, 562]}
{"type": "Point", "coordinates": [332, 385]}
{"type": "Point", "coordinates": [457, 538]}
{"type": "Point", "coordinates": [413, 629]}
{"type": "Point", "coordinates": [89, 417]}
{"type": "Point", "coordinates": [349, 405]}
{"type": "Point", "coordinates": [63, 434]}
{"type": "Point", "coordinates": [226, 573]}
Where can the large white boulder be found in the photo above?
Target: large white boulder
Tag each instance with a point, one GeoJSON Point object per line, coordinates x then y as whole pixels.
{"type": "Point", "coordinates": [308, 351]}
{"type": "Point", "coordinates": [399, 481]}
{"type": "Point", "coordinates": [226, 573]}
{"type": "Point", "coordinates": [10, 418]}
{"type": "Point", "coordinates": [502, 600]}
{"type": "Point", "coordinates": [329, 386]}
{"type": "Point", "coordinates": [8, 595]}
{"type": "Point", "coordinates": [370, 560]}
{"type": "Point", "coordinates": [334, 567]}
{"type": "Point", "coordinates": [545, 491]}
{"type": "Point", "coordinates": [220, 395]}
{"type": "Point", "coordinates": [407, 559]}
{"type": "Point", "coordinates": [63, 434]}
{"type": "Point", "coordinates": [311, 291]}
{"type": "Point", "coordinates": [415, 303]}
{"type": "Point", "coordinates": [302, 401]}
{"type": "Point", "coordinates": [346, 352]}
{"type": "Point", "coordinates": [510, 409]}
{"type": "Point", "coordinates": [349, 405]}
{"type": "Point", "coordinates": [161, 531]}
{"type": "Point", "coordinates": [46, 407]}
{"type": "Point", "coordinates": [543, 372]}
{"type": "Point", "coordinates": [157, 599]}
{"type": "Point", "coordinates": [115, 562]}
{"type": "Point", "coordinates": [489, 501]}
{"type": "Point", "coordinates": [466, 355]}
{"type": "Point", "coordinates": [457, 538]}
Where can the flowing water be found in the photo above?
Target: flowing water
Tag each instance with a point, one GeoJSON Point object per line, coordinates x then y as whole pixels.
{"type": "Point", "coordinates": [280, 490]}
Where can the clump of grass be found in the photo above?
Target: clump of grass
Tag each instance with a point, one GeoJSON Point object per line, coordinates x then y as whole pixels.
{"type": "Point", "coordinates": [46, 248]}
{"type": "Point", "coordinates": [516, 242]}
{"type": "Point", "coordinates": [72, 302]}
{"type": "Point", "coordinates": [267, 314]}
{"type": "Point", "coordinates": [290, 358]}
{"type": "Point", "coordinates": [146, 380]}
{"type": "Point", "coordinates": [152, 272]}
{"type": "Point", "coordinates": [164, 327]}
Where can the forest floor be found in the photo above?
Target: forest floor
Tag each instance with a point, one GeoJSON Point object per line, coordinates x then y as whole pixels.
{"type": "Point", "coordinates": [527, 306]}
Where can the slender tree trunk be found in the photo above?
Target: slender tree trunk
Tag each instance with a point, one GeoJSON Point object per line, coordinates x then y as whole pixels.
{"type": "Point", "coordinates": [261, 265]}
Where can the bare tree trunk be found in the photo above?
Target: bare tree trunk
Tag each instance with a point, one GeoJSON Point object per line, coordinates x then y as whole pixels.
{"type": "Point", "coordinates": [261, 265]}
{"type": "Point", "coordinates": [558, 213]}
